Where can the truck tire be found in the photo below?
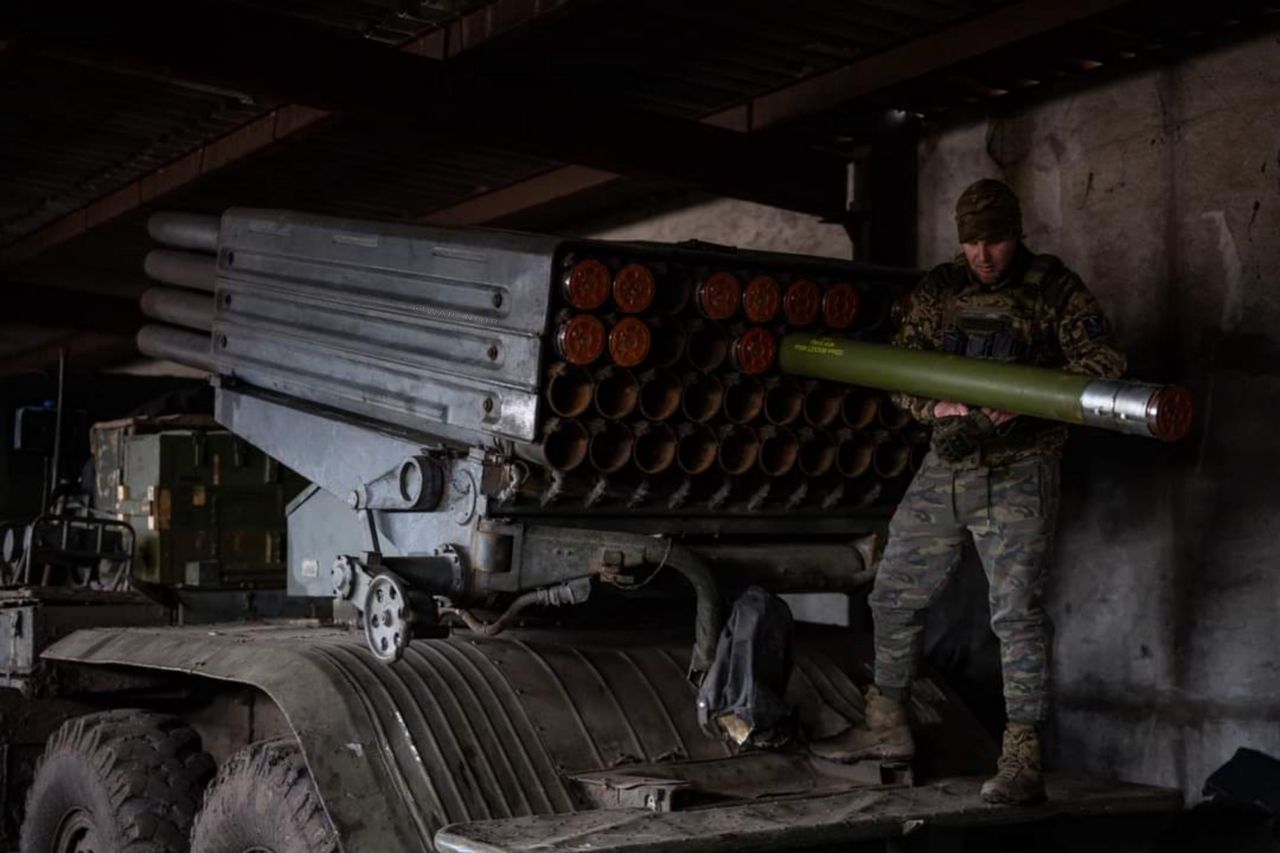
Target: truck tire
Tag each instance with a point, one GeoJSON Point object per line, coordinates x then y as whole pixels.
{"type": "Point", "coordinates": [123, 780]}
{"type": "Point", "coordinates": [264, 800]}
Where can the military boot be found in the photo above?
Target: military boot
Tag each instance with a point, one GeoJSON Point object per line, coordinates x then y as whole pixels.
{"type": "Point", "coordinates": [884, 734]}
{"type": "Point", "coordinates": [1018, 778]}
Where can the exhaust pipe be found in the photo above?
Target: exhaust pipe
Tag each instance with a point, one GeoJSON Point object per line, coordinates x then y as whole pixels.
{"type": "Point", "coordinates": [821, 405]}
{"type": "Point", "coordinates": [182, 269]}
{"type": "Point", "coordinates": [569, 390]}
{"type": "Point", "coordinates": [783, 401]}
{"type": "Point", "coordinates": [779, 451]}
{"type": "Point", "coordinates": [565, 446]}
{"type": "Point", "coordinates": [858, 409]}
{"type": "Point", "coordinates": [610, 447]}
{"type": "Point", "coordinates": [706, 347]}
{"type": "Point", "coordinates": [892, 456]}
{"type": "Point", "coordinates": [617, 392]}
{"type": "Point", "coordinates": [743, 398]}
{"type": "Point", "coordinates": [696, 448]}
{"type": "Point", "coordinates": [659, 394]}
{"type": "Point", "coordinates": [854, 455]}
{"type": "Point", "coordinates": [817, 453]}
{"type": "Point", "coordinates": [171, 344]}
{"type": "Point", "coordinates": [178, 308]}
{"type": "Point", "coordinates": [702, 397]}
{"type": "Point", "coordinates": [655, 448]}
{"type": "Point", "coordinates": [739, 450]}
{"type": "Point", "coordinates": [184, 230]}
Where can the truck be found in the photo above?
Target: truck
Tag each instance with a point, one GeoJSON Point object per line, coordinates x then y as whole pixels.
{"type": "Point", "coordinates": [539, 478]}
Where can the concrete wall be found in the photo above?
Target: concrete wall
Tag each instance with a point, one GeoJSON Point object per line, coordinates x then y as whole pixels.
{"type": "Point", "coordinates": [738, 223]}
{"type": "Point", "coordinates": [1163, 192]}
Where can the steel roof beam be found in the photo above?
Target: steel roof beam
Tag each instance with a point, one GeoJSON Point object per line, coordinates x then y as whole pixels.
{"type": "Point", "coordinates": [292, 62]}
{"type": "Point", "coordinates": [450, 39]}
{"type": "Point", "coordinates": [823, 92]}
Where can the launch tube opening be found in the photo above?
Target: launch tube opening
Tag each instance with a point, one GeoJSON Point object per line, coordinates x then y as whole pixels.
{"type": "Point", "coordinates": [569, 390]}
{"type": "Point", "coordinates": [655, 448]}
{"type": "Point", "coordinates": [739, 447]}
{"type": "Point", "coordinates": [778, 452]}
{"type": "Point", "coordinates": [821, 406]}
{"type": "Point", "coordinates": [610, 448]}
{"type": "Point", "coordinates": [817, 455]}
{"type": "Point", "coordinates": [617, 392]}
{"type": "Point", "coordinates": [706, 348]}
{"type": "Point", "coordinates": [696, 450]}
{"type": "Point", "coordinates": [659, 395]}
{"type": "Point", "coordinates": [743, 399]}
{"type": "Point", "coordinates": [891, 458]}
{"type": "Point", "coordinates": [565, 447]}
{"type": "Point", "coordinates": [783, 402]}
{"type": "Point", "coordinates": [858, 409]}
{"type": "Point", "coordinates": [702, 398]}
{"type": "Point", "coordinates": [854, 456]}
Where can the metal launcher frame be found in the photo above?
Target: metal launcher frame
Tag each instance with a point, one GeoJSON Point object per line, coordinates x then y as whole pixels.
{"type": "Point", "coordinates": [513, 415]}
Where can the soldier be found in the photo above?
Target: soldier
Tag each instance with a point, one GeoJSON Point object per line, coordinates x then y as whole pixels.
{"type": "Point", "coordinates": [989, 474]}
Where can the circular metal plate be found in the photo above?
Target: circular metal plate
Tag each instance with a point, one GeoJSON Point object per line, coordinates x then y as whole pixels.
{"type": "Point", "coordinates": [387, 618]}
{"type": "Point", "coordinates": [634, 289]}
{"type": "Point", "coordinates": [755, 351]}
{"type": "Point", "coordinates": [581, 339]}
{"type": "Point", "coordinates": [719, 295]}
{"type": "Point", "coordinates": [462, 497]}
{"type": "Point", "coordinates": [629, 342]}
{"type": "Point", "coordinates": [840, 306]}
{"type": "Point", "coordinates": [762, 299]}
{"type": "Point", "coordinates": [1171, 410]}
{"type": "Point", "coordinates": [586, 286]}
{"type": "Point", "coordinates": [802, 302]}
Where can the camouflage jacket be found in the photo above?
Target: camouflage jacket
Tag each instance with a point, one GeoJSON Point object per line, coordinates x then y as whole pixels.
{"type": "Point", "coordinates": [1040, 314]}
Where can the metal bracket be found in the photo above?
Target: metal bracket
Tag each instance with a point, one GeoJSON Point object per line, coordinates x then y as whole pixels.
{"type": "Point", "coordinates": [392, 611]}
{"type": "Point", "coordinates": [613, 790]}
{"type": "Point", "coordinates": [416, 484]}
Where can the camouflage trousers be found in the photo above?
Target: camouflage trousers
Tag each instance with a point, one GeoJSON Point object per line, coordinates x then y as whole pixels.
{"type": "Point", "coordinates": [1010, 511]}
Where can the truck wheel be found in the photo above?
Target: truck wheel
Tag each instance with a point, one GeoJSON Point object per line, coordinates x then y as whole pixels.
{"type": "Point", "coordinates": [123, 780]}
{"type": "Point", "coordinates": [264, 801]}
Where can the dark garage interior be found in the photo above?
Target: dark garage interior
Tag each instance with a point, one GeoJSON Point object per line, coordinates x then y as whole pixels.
{"type": "Point", "coordinates": [412, 436]}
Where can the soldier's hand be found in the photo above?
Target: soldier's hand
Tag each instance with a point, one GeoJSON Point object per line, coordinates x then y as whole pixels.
{"type": "Point", "coordinates": [947, 409]}
{"type": "Point", "coordinates": [999, 416]}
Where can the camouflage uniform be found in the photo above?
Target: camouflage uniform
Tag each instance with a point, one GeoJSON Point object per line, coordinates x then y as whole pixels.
{"type": "Point", "coordinates": [1006, 493]}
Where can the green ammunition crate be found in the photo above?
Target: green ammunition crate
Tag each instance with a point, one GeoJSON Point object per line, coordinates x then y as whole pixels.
{"type": "Point", "coordinates": [207, 507]}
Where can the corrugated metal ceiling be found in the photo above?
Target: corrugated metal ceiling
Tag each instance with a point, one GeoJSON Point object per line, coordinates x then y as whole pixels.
{"type": "Point", "coordinates": [74, 132]}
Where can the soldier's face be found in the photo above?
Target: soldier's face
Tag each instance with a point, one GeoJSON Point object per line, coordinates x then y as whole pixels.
{"type": "Point", "coordinates": [990, 259]}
